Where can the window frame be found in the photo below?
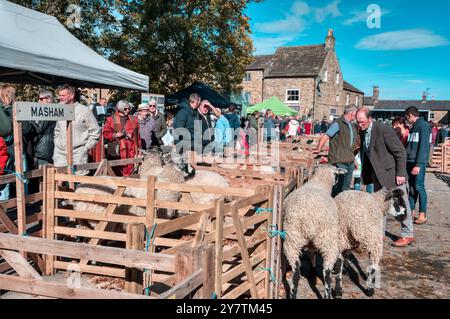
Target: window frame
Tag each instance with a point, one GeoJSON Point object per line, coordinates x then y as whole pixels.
{"type": "Point", "coordinates": [325, 76]}
{"type": "Point", "coordinates": [247, 77]}
{"type": "Point", "coordinates": [338, 78]}
{"type": "Point", "coordinates": [292, 101]}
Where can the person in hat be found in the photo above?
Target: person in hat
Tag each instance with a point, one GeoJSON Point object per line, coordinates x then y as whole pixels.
{"type": "Point", "coordinates": [146, 125]}
{"type": "Point", "coordinates": [121, 130]}
{"type": "Point", "coordinates": [160, 125]}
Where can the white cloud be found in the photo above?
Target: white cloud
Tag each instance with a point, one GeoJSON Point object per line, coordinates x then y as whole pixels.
{"type": "Point", "coordinates": [416, 81]}
{"type": "Point", "coordinates": [300, 8]}
{"type": "Point", "coordinates": [402, 40]}
{"type": "Point", "coordinates": [268, 45]}
{"type": "Point", "coordinates": [290, 24]}
{"type": "Point", "coordinates": [331, 9]}
{"type": "Point", "coordinates": [383, 65]}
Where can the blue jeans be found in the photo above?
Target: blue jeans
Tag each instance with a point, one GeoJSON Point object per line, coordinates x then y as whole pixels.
{"type": "Point", "coordinates": [4, 193]}
{"type": "Point", "coordinates": [343, 181]}
{"type": "Point", "coordinates": [417, 188]}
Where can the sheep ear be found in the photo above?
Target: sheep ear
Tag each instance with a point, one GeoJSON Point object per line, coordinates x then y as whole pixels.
{"type": "Point", "coordinates": [389, 194]}
{"type": "Point", "coordinates": [340, 171]}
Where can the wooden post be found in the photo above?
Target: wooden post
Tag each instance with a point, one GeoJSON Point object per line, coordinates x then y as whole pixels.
{"type": "Point", "coordinates": [150, 218]}
{"type": "Point", "coordinates": [20, 187]}
{"type": "Point", "coordinates": [279, 247]}
{"type": "Point", "coordinates": [219, 247]}
{"type": "Point", "coordinates": [135, 240]}
{"type": "Point", "coordinates": [190, 259]}
{"type": "Point", "coordinates": [69, 146]}
{"type": "Point", "coordinates": [49, 216]}
{"type": "Point", "coordinates": [269, 244]}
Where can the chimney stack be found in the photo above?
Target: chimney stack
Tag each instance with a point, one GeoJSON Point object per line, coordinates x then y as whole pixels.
{"type": "Point", "coordinates": [424, 97]}
{"type": "Point", "coordinates": [330, 40]}
{"type": "Point", "coordinates": [376, 94]}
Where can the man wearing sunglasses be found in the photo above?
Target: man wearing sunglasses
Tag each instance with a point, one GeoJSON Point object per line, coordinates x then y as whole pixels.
{"type": "Point", "coordinates": [85, 132]}
{"type": "Point", "coordinates": [160, 128]}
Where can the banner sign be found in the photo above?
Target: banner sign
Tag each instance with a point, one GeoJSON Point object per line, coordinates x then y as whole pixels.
{"type": "Point", "coordinates": [33, 111]}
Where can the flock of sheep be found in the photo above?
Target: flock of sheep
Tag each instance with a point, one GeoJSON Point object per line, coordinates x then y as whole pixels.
{"type": "Point", "coordinates": [313, 220]}
{"type": "Point", "coordinates": [316, 222]}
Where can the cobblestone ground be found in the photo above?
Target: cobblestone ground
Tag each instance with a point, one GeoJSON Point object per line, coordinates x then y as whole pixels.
{"type": "Point", "coordinates": [418, 271]}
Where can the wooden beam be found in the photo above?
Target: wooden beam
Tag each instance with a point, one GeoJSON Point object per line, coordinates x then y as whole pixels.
{"type": "Point", "coordinates": [49, 289]}
{"type": "Point", "coordinates": [244, 252]}
{"type": "Point", "coordinates": [8, 223]}
{"type": "Point", "coordinates": [184, 288]}
{"type": "Point", "coordinates": [50, 220]}
{"type": "Point", "coordinates": [103, 180]}
{"type": "Point", "coordinates": [201, 229]}
{"type": "Point", "coordinates": [111, 255]}
{"type": "Point", "coordinates": [20, 264]}
{"type": "Point", "coordinates": [105, 199]}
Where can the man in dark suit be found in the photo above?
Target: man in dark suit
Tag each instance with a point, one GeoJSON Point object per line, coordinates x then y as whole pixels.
{"type": "Point", "coordinates": [383, 159]}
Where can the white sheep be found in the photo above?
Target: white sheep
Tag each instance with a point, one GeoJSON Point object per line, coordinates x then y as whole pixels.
{"type": "Point", "coordinates": [207, 178]}
{"type": "Point", "coordinates": [361, 226]}
{"type": "Point", "coordinates": [151, 166]}
{"type": "Point", "coordinates": [311, 221]}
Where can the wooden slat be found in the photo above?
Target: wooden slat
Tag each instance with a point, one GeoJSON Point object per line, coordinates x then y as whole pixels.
{"type": "Point", "coordinates": [20, 264]}
{"type": "Point", "coordinates": [200, 233]}
{"type": "Point", "coordinates": [219, 248]}
{"type": "Point", "coordinates": [99, 216]}
{"type": "Point", "coordinates": [11, 178]}
{"type": "Point", "coordinates": [49, 289]}
{"type": "Point", "coordinates": [183, 206]}
{"type": "Point", "coordinates": [105, 199]}
{"type": "Point", "coordinates": [185, 287]}
{"type": "Point", "coordinates": [8, 223]}
{"type": "Point", "coordinates": [238, 270]}
{"type": "Point", "coordinates": [238, 291]}
{"type": "Point", "coordinates": [228, 253]}
{"type": "Point", "coordinates": [105, 181]}
{"type": "Point", "coordinates": [50, 219]}
{"type": "Point", "coordinates": [239, 192]}
{"type": "Point", "coordinates": [12, 203]}
{"type": "Point", "coordinates": [89, 233]}
{"type": "Point", "coordinates": [109, 211]}
{"type": "Point", "coordinates": [244, 252]}
{"type": "Point", "coordinates": [111, 255]}
{"type": "Point", "coordinates": [91, 269]}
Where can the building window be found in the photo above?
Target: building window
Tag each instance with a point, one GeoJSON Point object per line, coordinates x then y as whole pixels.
{"type": "Point", "coordinates": [94, 97]}
{"type": "Point", "coordinates": [357, 101]}
{"type": "Point", "coordinates": [431, 117]}
{"type": "Point", "coordinates": [347, 102]}
{"type": "Point", "coordinates": [247, 77]}
{"type": "Point", "coordinates": [338, 78]}
{"type": "Point", "coordinates": [325, 76]}
{"type": "Point", "coordinates": [333, 112]}
{"type": "Point", "coordinates": [337, 98]}
{"type": "Point", "coordinates": [293, 95]}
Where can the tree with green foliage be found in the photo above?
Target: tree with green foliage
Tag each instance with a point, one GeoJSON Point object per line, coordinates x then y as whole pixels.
{"type": "Point", "coordinates": [174, 42]}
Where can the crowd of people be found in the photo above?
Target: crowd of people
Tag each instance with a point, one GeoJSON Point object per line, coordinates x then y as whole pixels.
{"type": "Point", "coordinates": [385, 155]}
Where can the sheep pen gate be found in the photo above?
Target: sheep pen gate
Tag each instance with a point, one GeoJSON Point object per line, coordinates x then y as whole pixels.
{"type": "Point", "coordinates": [197, 274]}
{"type": "Point", "coordinates": [244, 224]}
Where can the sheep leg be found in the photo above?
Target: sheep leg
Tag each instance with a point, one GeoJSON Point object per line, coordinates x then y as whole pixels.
{"type": "Point", "coordinates": [328, 263]}
{"type": "Point", "coordinates": [373, 273]}
{"type": "Point", "coordinates": [295, 280]}
{"type": "Point", "coordinates": [293, 258]}
{"type": "Point", "coordinates": [338, 267]}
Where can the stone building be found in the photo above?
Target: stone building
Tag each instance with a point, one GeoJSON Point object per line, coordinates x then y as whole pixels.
{"type": "Point", "coordinates": [431, 110]}
{"type": "Point", "coordinates": [307, 78]}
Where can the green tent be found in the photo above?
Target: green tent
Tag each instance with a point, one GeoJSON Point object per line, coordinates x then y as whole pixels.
{"type": "Point", "coordinates": [274, 103]}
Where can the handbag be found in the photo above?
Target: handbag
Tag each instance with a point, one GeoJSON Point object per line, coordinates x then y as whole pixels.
{"type": "Point", "coordinates": [113, 149]}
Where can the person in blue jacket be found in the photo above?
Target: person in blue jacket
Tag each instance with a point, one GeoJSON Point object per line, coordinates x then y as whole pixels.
{"type": "Point", "coordinates": [223, 134]}
{"type": "Point", "coordinates": [418, 153]}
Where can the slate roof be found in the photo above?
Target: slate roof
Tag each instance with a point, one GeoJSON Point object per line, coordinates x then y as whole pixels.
{"type": "Point", "coordinates": [351, 88]}
{"type": "Point", "coordinates": [437, 105]}
{"type": "Point", "coordinates": [297, 61]}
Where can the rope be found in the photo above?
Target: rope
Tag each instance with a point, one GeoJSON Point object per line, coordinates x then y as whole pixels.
{"type": "Point", "coordinates": [150, 240]}
{"type": "Point", "coordinates": [272, 276]}
{"type": "Point", "coordinates": [263, 210]}
{"type": "Point", "coordinates": [275, 232]}
{"type": "Point", "coordinates": [21, 177]}
{"type": "Point", "coordinates": [73, 169]}
{"type": "Point", "coordinates": [214, 295]}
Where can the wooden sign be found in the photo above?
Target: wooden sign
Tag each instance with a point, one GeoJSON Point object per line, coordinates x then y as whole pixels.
{"type": "Point", "coordinates": [30, 111]}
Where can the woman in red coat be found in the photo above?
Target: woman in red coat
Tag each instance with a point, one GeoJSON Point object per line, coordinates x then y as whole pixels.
{"type": "Point", "coordinates": [121, 131]}
{"type": "Point", "coordinates": [3, 155]}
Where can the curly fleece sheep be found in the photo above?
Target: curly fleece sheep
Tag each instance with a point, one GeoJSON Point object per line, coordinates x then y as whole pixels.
{"type": "Point", "coordinates": [361, 218]}
{"type": "Point", "coordinates": [311, 220]}
{"type": "Point", "coordinates": [151, 165]}
{"type": "Point", "coordinates": [207, 178]}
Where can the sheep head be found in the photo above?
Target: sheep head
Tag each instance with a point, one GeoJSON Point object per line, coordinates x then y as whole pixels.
{"type": "Point", "coordinates": [151, 160]}
{"type": "Point", "coordinates": [326, 175]}
{"type": "Point", "coordinates": [396, 205]}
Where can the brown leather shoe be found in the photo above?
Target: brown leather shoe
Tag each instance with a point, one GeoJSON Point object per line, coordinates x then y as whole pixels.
{"type": "Point", "coordinates": [422, 219]}
{"type": "Point", "coordinates": [403, 242]}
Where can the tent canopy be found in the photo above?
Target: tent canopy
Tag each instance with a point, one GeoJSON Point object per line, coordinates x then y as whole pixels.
{"type": "Point", "coordinates": [36, 49]}
{"type": "Point", "coordinates": [274, 103]}
{"type": "Point", "coordinates": [205, 91]}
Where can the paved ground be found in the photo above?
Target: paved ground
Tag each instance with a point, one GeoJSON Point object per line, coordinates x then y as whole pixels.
{"type": "Point", "coordinates": [419, 271]}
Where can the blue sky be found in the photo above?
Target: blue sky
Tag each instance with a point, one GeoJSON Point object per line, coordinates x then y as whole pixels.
{"type": "Point", "coordinates": [406, 55]}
